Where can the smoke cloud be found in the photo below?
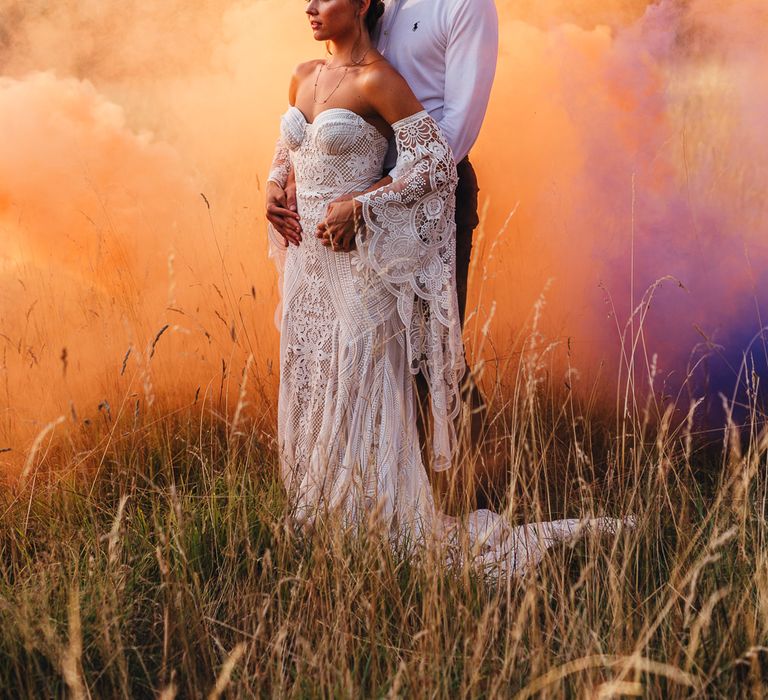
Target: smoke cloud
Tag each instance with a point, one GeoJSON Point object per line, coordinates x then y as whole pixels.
{"type": "Point", "coordinates": [626, 137]}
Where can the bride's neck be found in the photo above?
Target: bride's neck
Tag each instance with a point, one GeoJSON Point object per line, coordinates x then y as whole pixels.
{"type": "Point", "coordinates": [349, 50]}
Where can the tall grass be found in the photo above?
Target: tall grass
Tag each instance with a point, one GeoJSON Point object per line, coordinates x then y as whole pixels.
{"type": "Point", "coordinates": [154, 557]}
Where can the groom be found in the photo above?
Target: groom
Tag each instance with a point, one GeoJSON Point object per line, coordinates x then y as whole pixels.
{"type": "Point", "coordinates": [446, 50]}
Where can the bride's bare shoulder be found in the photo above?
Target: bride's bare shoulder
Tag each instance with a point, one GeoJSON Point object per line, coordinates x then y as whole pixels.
{"type": "Point", "coordinates": [306, 68]}
{"type": "Point", "coordinates": [381, 77]}
{"type": "Point", "coordinates": [388, 92]}
{"type": "Point", "coordinates": [380, 73]}
{"type": "Point", "coordinates": [299, 75]}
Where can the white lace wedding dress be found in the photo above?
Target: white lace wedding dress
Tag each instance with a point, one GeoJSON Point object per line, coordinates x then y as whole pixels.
{"type": "Point", "coordinates": [355, 328]}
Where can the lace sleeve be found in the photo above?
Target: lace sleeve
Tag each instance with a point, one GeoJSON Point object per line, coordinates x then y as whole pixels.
{"type": "Point", "coordinates": [409, 240]}
{"type": "Point", "coordinates": [281, 164]}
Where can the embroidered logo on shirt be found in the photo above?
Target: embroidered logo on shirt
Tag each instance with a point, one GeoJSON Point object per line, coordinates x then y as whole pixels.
{"type": "Point", "coordinates": [415, 26]}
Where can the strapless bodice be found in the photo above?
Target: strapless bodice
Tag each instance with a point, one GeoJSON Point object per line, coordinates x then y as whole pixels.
{"type": "Point", "coordinates": [338, 152]}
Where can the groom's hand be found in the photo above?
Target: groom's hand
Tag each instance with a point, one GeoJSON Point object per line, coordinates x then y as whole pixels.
{"type": "Point", "coordinates": [337, 231]}
{"type": "Point", "coordinates": [281, 212]}
{"type": "Point", "coordinates": [290, 192]}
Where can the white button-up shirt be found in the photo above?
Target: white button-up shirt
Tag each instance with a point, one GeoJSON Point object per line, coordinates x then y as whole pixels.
{"type": "Point", "coordinates": [447, 51]}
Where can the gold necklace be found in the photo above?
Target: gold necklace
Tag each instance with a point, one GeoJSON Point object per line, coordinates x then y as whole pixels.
{"type": "Point", "coordinates": [338, 85]}
{"type": "Point", "coordinates": [317, 79]}
{"type": "Point", "coordinates": [359, 62]}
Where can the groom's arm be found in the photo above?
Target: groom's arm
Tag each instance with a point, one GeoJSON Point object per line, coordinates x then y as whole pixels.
{"type": "Point", "coordinates": [470, 61]}
{"type": "Point", "coordinates": [386, 180]}
{"type": "Point", "coordinates": [282, 211]}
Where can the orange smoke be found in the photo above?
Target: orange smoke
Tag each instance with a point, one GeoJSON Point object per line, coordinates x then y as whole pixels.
{"type": "Point", "coordinates": [634, 153]}
{"type": "Point", "coordinates": [625, 136]}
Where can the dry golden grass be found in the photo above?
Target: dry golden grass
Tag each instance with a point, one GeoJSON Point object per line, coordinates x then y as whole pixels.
{"type": "Point", "coordinates": [153, 557]}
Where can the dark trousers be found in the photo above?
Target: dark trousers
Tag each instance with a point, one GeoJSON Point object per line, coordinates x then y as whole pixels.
{"type": "Point", "coordinates": [467, 220]}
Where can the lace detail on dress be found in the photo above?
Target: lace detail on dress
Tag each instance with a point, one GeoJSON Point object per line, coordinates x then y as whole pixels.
{"type": "Point", "coordinates": [331, 319]}
{"type": "Point", "coordinates": [337, 153]}
{"type": "Point", "coordinates": [410, 241]}
{"type": "Point", "coordinates": [281, 164]}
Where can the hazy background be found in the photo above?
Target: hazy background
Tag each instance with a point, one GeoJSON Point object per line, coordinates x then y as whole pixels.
{"type": "Point", "coordinates": [629, 135]}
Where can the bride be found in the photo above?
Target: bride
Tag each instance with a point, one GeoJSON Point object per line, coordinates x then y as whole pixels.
{"type": "Point", "coordinates": [361, 316]}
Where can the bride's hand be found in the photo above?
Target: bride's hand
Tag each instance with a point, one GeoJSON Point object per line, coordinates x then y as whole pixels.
{"type": "Point", "coordinates": [338, 230]}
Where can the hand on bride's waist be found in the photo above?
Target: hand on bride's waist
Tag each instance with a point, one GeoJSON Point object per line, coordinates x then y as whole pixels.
{"type": "Point", "coordinates": [347, 196]}
{"type": "Point", "coordinates": [282, 211]}
{"type": "Point", "coordinates": [337, 231]}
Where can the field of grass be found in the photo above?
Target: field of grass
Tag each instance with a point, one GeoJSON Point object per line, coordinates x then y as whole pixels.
{"type": "Point", "coordinates": [155, 558]}
{"type": "Point", "coordinates": [147, 548]}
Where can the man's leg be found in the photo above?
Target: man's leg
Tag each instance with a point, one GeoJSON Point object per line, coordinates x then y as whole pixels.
{"type": "Point", "coordinates": [467, 219]}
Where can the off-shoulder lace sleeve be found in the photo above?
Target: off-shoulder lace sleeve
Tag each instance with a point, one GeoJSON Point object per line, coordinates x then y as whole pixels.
{"type": "Point", "coordinates": [409, 240]}
{"type": "Point", "coordinates": [281, 167]}
{"type": "Point", "coordinates": [281, 164]}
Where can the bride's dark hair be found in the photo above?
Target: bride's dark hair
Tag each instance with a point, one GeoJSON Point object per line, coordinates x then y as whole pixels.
{"type": "Point", "coordinates": [375, 11]}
